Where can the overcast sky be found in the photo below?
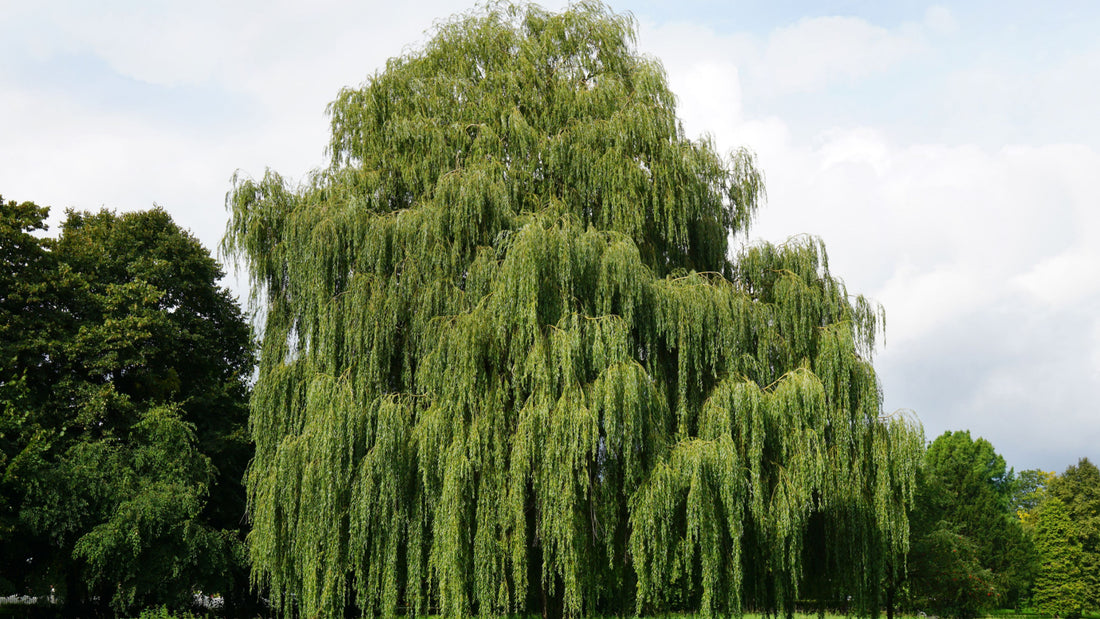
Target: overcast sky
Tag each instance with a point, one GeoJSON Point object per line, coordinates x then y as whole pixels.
{"type": "Point", "coordinates": [946, 154]}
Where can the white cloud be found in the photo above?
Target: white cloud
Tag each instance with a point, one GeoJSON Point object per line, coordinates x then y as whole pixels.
{"type": "Point", "coordinates": [938, 232]}
{"type": "Point", "coordinates": [940, 20]}
{"type": "Point", "coordinates": [920, 302]}
{"type": "Point", "coordinates": [1064, 279]}
{"type": "Point", "coordinates": [210, 41]}
{"type": "Point", "coordinates": [818, 51]}
{"type": "Point", "coordinates": [711, 90]}
{"type": "Point", "coordinates": [804, 57]}
{"type": "Point", "coordinates": [862, 146]}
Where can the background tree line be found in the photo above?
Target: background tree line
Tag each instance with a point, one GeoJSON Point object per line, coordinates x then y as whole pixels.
{"type": "Point", "coordinates": [984, 537]}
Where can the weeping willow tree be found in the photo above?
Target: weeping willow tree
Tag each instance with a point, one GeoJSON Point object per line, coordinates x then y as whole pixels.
{"type": "Point", "coordinates": [510, 365]}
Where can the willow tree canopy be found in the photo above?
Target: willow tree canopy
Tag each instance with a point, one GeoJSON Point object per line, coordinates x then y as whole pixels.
{"type": "Point", "coordinates": [508, 364]}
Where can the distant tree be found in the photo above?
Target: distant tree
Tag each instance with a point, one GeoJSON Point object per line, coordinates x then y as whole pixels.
{"type": "Point", "coordinates": [1078, 488]}
{"type": "Point", "coordinates": [510, 365]}
{"type": "Point", "coordinates": [1061, 586]}
{"type": "Point", "coordinates": [1029, 490]}
{"type": "Point", "coordinates": [970, 552]}
{"type": "Point", "coordinates": [947, 574]}
{"type": "Point", "coordinates": [124, 396]}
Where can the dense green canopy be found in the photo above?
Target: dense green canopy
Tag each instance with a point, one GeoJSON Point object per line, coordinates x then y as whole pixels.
{"type": "Point", "coordinates": [1067, 533]}
{"type": "Point", "coordinates": [123, 412]}
{"type": "Point", "coordinates": [970, 551]}
{"type": "Point", "coordinates": [1061, 587]}
{"type": "Point", "coordinates": [509, 365]}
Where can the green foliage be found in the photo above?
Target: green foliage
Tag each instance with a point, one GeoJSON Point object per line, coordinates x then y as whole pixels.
{"type": "Point", "coordinates": [508, 364]}
{"type": "Point", "coordinates": [1060, 586]}
{"type": "Point", "coordinates": [124, 403]}
{"type": "Point", "coordinates": [157, 486]}
{"type": "Point", "coordinates": [1068, 537]}
{"type": "Point", "coordinates": [948, 574]}
{"type": "Point", "coordinates": [24, 264]}
{"type": "Point", "coordinates": [970, 551]}
{"type": "Point", "coordinates": [1029, 491]}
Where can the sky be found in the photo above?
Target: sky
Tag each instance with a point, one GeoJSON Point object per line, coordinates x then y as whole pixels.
{"type": "Point", "coordinates": [947, 154]}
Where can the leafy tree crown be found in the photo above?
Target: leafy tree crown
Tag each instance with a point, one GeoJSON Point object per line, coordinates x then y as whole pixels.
{"type": "Point", "coordinates": [509, 363]}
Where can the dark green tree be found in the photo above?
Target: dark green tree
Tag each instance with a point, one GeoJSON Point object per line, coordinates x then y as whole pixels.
{"type": "Point", "coordinates": [509, 364]}
{"type": "Point", "coordinates": [26, 269]}
{"type": "Point", "coordinates": [125, 396]}
{"type": "Point", "coordinates": [970, 551]}
{"type": "Point", "coordinates": [947, 576]}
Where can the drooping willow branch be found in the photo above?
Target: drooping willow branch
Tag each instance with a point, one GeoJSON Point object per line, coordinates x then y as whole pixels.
{"type": "Point", "coordinates": [509, 365]}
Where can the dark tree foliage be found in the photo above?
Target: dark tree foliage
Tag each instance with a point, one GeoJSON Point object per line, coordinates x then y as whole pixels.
{"type": "Point", "coordinates": [509, 364]}
{"type": "Point", "coordinates": [124, 396]}
{"type": "Point", "coordinates": [970, 551]}
{"type": "Point", "coordinates": [26, 268]}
